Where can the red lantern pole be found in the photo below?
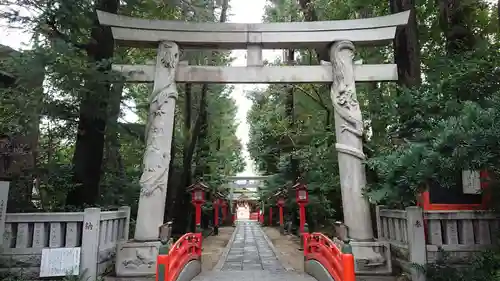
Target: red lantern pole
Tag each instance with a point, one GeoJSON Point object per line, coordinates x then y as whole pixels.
{"type": "Point", "coordinates": [281, 202]}
{"type": "Point", "coordinates": [270, 215]}
{"type": "Point", "coordinates": [197, 199]}
{"type": "Point", "coordinates": [281, 215]}
{"type": "Point", "coordinates": [224, 211]}
{"type": "Point", "coordinates": [235, 215]}
{"type": "Point", "coordinates": [216, 212]}
{"type": "Point", "coordinates": [197, 217]}
{"type": "Point", "coordinates": [302, 216]}
{"type": "Point", "coordinates": [302, 198]}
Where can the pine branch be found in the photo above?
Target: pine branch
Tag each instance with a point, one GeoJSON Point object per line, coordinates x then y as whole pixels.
{"type": "Point", "coordinates": [50, 29]}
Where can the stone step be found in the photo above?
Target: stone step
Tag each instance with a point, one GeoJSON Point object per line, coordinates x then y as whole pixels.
{"type": "Point", "coordinates": [376, 278]}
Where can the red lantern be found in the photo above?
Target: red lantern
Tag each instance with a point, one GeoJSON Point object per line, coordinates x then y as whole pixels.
{"type": "Point", "coordinates": [198, 193]}
{"type": "Point", "coordinates": [197, 198]}
{"type": "Point", "coordinates": [301, 193]}
{"type": "Point", "coordinates": [302, 197]}
{"type": "Point", "coordinates": [281, 202]}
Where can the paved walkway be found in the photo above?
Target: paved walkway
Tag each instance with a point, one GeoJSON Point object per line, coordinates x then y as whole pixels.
{"type": "Point", "coordinates": [250, 257]}
{"type": "Point", "coordinates": [250, 250]}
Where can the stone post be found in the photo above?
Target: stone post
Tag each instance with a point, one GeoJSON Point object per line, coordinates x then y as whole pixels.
{"type": "Point", "coordinates": [4, 197]}
{"type": "Point", "coordinates": [89, 256]}
{"type": "Point", "coordinates": [138, 257]}
{"type": "Point", "coordinates": [416, 241]}
{"type": "Point", "coordinates": [349, 132]}
{"type": "Point", "coordinates": [159, 130]}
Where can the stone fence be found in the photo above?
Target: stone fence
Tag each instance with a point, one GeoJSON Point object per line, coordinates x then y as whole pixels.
{"type": "Point", "coordinates": [95, 232]}
{"type": "Point", "coordinates": [420, 237]}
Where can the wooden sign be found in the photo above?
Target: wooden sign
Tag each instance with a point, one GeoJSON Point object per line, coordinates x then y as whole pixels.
{"type": "Point", "coordinates": [60, 262]}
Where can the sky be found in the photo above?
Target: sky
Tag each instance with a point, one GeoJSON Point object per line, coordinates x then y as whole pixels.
{"type": "Point", "coordinates": [240, 12]}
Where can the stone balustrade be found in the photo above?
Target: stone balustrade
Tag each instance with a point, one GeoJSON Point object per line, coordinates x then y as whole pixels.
{"type": "Point", "coordinates": [96, 232]}
{"type": "Point", "coordinates": [420, 237]}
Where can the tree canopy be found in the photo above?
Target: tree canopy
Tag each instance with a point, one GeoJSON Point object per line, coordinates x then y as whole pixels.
{"type": "Point", "coordinates": [78, 128]}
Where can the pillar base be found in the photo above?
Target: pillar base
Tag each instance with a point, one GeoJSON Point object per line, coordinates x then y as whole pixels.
{"type": "Point", "coordinates": [198, 229]}
{"type": "Point", "coordinates": [136, 258]}
{"type": "Point", "coordinates": [371, 257]}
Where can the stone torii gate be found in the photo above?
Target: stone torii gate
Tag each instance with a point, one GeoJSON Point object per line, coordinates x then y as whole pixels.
{"type": "Point", "coordinates": [136, 257]}
{"type": "Point", "coordinates": [235, 189]}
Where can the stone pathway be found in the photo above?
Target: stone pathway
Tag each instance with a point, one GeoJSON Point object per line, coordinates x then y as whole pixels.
{"type": "Point", "coordinates": [250, 250]}
{"type": "Point", "coordinates": [250, 257]}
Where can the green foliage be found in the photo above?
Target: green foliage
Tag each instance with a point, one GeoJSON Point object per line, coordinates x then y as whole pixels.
{"type": "Point", "coordinates": [59, 58]}
{"type": "Point", "coordinates": [412, 136]}
{"type": "Point", "coordinates": [482, 267]}
{"type": "Point", "coordinates": [454, 127]}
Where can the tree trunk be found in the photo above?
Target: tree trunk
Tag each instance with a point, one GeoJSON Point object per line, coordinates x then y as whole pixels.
{"type": "Point", "coordinates": [455, 20]}
{"type": "Point", "coordinates": [290, 115]}
{"type": "Point", "coordinates": [197, 136]}
{"type": "Point", "coordinates": [406, 45]}
{"type": "Point", "coordinates": [181, 198]}
{"type": "Point", "coordinates": [407, 58]}
{"type": "Point", "coordinates": [173, 182]}
{"type": "Point", "coordinates": [88, 155]}
{"type": "Point", "coordinates": [113, 160]}
{"type": "Point", "coordinates": [307, 7]}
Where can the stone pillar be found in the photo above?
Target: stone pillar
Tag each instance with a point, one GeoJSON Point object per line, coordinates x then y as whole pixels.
{"type": "Point", "coordinates": [159, 131]}
{"type": "Point", "coordinates": [349, 132]}
{"type": "Point", "coordinates": [138, 257]}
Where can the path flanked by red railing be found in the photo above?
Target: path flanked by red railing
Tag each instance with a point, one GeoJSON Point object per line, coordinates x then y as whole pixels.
{"type": "Point", "coordinates": [185, 250]}
{"type": "Point", "coordinates": [336, 259]}
{"type": "Point", "coordinates": [250, 251]}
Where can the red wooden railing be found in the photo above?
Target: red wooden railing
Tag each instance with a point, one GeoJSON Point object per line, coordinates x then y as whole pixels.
{"type": "Point", "coordinates": [338, 262]}
{"type": "Point", "coordinates": [186, 249]}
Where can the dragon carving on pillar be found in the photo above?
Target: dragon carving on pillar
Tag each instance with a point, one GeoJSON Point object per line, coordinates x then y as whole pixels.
{"type": "Point", "coordinates": [344, 99]}
{"type": "Point", "coordinates": [159, 126]}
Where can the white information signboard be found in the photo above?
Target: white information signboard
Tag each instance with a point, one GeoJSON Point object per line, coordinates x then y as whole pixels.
{"type": "Point", "coordinates": [471, 182]}
{"type": "Point", "coordinates": [60, 262]}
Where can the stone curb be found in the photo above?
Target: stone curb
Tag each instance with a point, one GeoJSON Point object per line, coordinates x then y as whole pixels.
{"type": "Point", "coordinates": [276, 253]}
{"type": "Point", "coordinates": [223, 257]}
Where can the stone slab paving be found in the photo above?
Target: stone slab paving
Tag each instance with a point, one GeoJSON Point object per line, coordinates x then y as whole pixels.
{"type": "Point", "coordinates": [250, 258]}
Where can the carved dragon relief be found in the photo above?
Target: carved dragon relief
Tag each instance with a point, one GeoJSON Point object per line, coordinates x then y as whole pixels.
{"type": "Point", "coordinates": [343, 94]}
{"type": "Point", "coordinates": [157, 155]}
{"type": "Point", "coordinates": [141, 259]}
